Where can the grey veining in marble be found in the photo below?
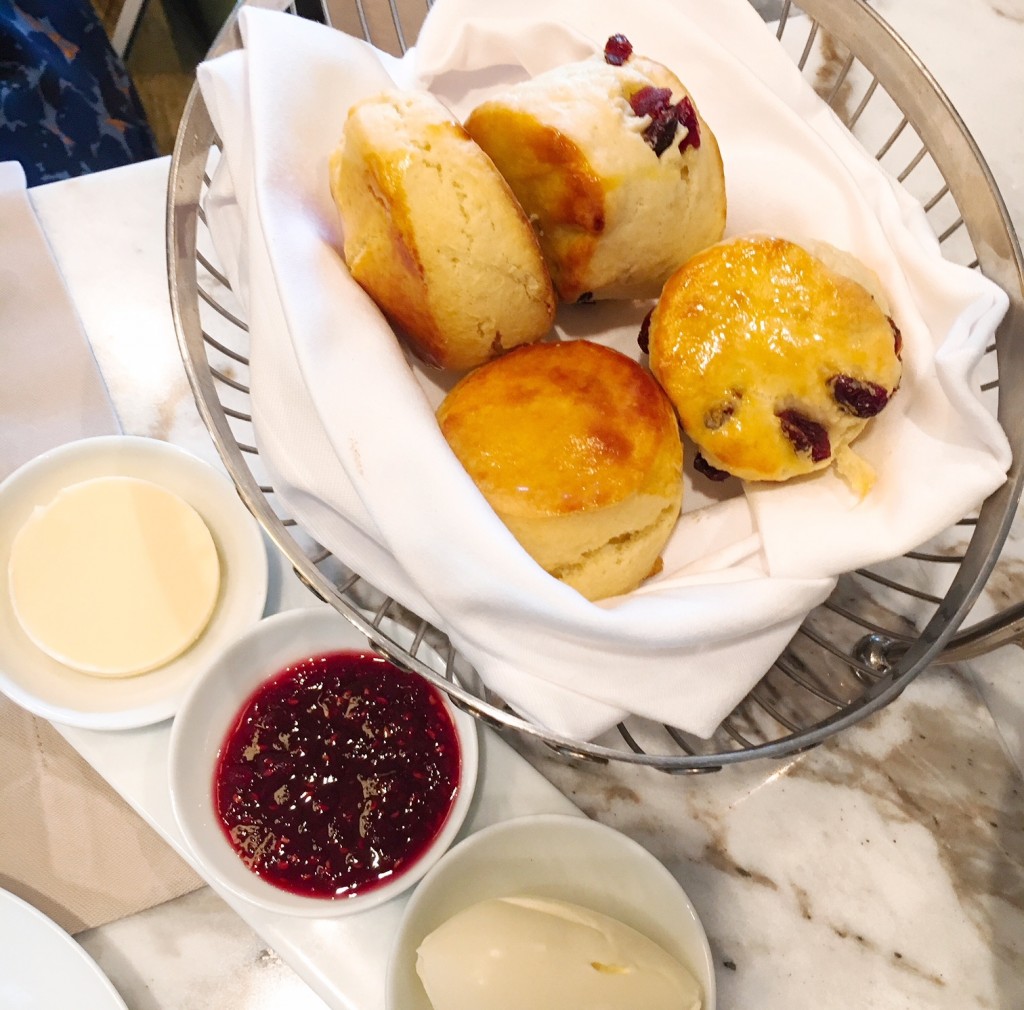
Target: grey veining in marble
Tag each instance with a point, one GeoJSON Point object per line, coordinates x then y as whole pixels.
{"type": "Point", "coordinates": [884, 869]}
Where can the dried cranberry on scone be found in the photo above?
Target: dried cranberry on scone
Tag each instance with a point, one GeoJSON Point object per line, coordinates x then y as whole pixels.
{"type": "Point", "coordinates": [775, 358]}
{"type": "Point", "coordinates": [615, 167]}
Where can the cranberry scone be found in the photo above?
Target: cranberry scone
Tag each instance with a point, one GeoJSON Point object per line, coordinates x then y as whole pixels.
{"type": "Point", "coordinates": [615, 167]}
{"type": "Point", "coordinates": [434, 235]}
{"type": "Point", "coordinates": [776, 358]}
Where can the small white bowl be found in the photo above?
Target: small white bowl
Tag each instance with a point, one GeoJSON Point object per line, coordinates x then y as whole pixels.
{"type": "Point", "coordinates": [558, 856]}
{"type": "Point", "coordinates": [49, 689]}
{"type": "Point", "coordinates": [208, 713]}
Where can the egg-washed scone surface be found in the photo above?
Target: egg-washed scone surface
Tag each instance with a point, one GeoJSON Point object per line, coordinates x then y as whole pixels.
{"type": "Point", "coordinates": [775, 361]}
{"type": "Point", "coordinates": [577, 449]}
{"type": "Point", "coordinates": [434, 234]}
{"type": "Point", "coordinates": [615, 167]}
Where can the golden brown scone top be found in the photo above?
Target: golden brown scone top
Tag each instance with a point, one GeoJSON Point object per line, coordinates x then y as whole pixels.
{"type": "Point", "coordinates": [775, 362]}
{"type": "Point", "coordinates": [555, 429]}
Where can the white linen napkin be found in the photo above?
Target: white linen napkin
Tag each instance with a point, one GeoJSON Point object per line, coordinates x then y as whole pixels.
{"type": "Point", "coordinates": [344, 420]}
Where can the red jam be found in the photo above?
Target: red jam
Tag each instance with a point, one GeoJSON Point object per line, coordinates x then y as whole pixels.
{"type": "Point", "coordinates": [338, 774]}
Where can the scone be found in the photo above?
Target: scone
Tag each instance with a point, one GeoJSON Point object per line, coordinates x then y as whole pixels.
{"type": "Point", "coordinates": [615, 167]}
{"type": "Point", "coordinates": [434, 235]}
{"type": "Point", "coordinates": [774, 358]}
{"type": "Point", "coordinates": [577, 449]}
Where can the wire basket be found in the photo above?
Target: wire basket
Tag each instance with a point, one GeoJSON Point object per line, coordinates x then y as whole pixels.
{"type": "Point", "coordinates": [882, 625]}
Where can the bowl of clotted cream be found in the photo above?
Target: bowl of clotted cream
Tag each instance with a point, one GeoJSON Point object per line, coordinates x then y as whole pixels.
{"type": "Point", "coordinates": [550, 911]}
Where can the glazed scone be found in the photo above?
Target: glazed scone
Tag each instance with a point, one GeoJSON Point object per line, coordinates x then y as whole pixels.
{"type": "Point", "coordinates": [434, 235]}
{"type": "Point", "coordinates": [775, 360]}
{"type": "Point", "coordinates": [615, 167]}
{"type": "Point", "coordinates": [577, 449]}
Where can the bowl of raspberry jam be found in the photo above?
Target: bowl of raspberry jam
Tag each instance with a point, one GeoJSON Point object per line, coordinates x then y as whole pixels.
{"type": "Point", "coordinates": [312, 776]}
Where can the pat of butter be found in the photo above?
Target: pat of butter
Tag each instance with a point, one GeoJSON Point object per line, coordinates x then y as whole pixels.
{"type": "Point", "coordinates": [510, 953]}
{"type": "Point", "coordinates": [116, 576]}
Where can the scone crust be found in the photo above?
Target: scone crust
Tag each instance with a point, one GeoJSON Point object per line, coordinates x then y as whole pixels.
{"type": "Point", "coordinates": [434, 235]}
{"type": "Point", "coordinates": [562, 428]}
{"type": "Point", "coordinates": [577, 449]}
{"type": "Point", "coordinates": [614, 218]}
{"type": "Point", "coordinates": [755, 337]}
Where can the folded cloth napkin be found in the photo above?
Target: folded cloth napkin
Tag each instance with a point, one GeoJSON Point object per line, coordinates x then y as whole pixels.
{"type": "Point", "coordinates": [344, 420]}
{"type": "Point", "coordinates": [68, 843]}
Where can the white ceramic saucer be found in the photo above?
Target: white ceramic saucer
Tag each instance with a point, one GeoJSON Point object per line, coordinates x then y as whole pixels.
{"type": "Point", "coordinates": [558, 856]}
{"type": "Point", "coordinates": [49, 689]}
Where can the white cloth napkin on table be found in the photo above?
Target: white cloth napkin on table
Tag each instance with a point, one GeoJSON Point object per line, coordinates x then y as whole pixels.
{"type": "Point", "coordinates": [344, 420]}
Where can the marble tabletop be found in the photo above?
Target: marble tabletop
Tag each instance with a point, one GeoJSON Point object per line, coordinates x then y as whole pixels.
{"type": "Point", "coordinates": [884, 869]}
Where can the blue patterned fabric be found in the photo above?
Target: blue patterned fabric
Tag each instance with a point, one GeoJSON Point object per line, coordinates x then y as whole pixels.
{"type": "Point", "coordinates": [67, 105]}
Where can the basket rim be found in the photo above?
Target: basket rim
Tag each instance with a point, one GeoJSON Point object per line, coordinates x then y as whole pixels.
{"type": "Point", "coordinates": [934, 642]}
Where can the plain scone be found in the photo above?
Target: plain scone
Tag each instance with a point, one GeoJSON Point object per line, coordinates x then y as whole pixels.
{"type": "Point", "coordinates": [434, 235]}
{"type": "Point", "coordinates": [776, 358]}
{"type": "Point", "coordinates": [614, 215]}
{"type": "Point", "coordinates": [577, 449]}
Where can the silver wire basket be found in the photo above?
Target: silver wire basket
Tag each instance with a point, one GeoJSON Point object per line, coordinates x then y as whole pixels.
{"type": "Point", "coordinates": [882, 625]}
